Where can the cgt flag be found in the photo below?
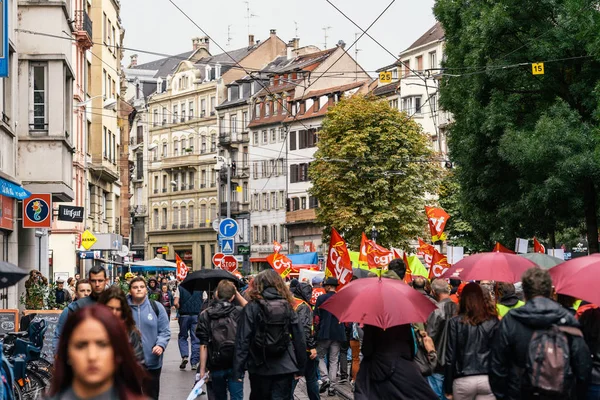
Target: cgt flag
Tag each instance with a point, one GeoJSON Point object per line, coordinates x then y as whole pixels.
{"type": "Point", "coordinates": [498, 248]}
{"type": "Point", "coordinates": [374, 255]}
{"type": "Point", "coordinates": [538, 247]}
{"type": "Point", "coordinates": [437, 219]}
{"type": "Point", "coordinates": [338, 259]}
{"type": "Point", "coordinates": [362, 257]}
{"type": "Point", "coordinates": [182, 269]}
{"type": "Point", "coordinates": [427, 251]}
{"type": "Point", "coordinates": [276, 246]}
{"type": "Point", "coordinates": [280, 263]}
{"type": "Point", "coordinates": [439, 265]}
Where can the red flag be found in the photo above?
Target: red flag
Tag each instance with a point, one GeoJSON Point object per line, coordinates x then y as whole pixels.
{"type": "Point", "coordinates": [276, 246]}
{"type": "Point", "coordinates": [538, 247]}
{"type": "Point", "coordinates": [408, 275]}
{"type": "Point", "coordinates": [439, 265]}
{"type": "Point", "coordinates": [182, 269]}
{"type": "Point", "coordinates": [498, 248]}
{"type": "Point", "coordinates": [426, 250]}
{"type": "Point", "coordinates": [437, 219]}
{"type": "Point", "coordinates": [396, 253]}
{"type": "Point", "coordinates": [362, 256]}
{"type": "Point", "coordinates": [280, 263]}
{"type": "Point", "coordinates": [378, 256]}
{"type": "Point", "coordinates": [316, 292]}
{"type": "Point", "coordinates": [338, 259]}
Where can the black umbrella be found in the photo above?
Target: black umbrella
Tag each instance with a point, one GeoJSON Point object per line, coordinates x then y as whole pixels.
{"type": "Point", "coordinates": [208, 279]}
{"type": "Point", "coordinates": [10, 274]}
{"type": "Point", "coordinates": [360, 273]}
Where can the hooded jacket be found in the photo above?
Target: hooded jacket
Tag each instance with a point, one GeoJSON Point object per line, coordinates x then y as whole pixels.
{"type": "Point", "coordinates": [217, 309]}
{"type": "Point", "coordinates": [290, 362]}
{"type": "Point", "coordinates": [72, 307]}
{"type": "Point", "coordinates": [155, 331]}
{"type": "Point", "coordinates": [508, 302]}
{"type": "Point", "coordinates": [511, 342]}
{"type": "Point", "coordinates": [303, 291]}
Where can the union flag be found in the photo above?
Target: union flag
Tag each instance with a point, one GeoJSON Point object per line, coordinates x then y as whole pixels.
{"type": "Point", "coordinates": [437, 218]}
{"type": "Point", "coordinates": [439, 265]}
{"type": "Point", "coordinates": [538, 247]}
{"type": "Point", "coordinates": [338, 260]}
{"type": "Point", "coordinates": [182, 269]}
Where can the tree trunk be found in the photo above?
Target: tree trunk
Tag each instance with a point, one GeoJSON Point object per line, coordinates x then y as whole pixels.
{"type": "Point", "coordinates": [591, 221]}
{"type": "Point", "coordinates": [553, 239]}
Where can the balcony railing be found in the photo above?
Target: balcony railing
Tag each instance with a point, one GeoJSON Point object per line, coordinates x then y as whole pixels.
{"type": "Point", "coordinates": [83, 27]}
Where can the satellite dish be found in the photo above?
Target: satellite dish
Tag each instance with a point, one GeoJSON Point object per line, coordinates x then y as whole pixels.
{"type": "Point", "coordinates": [124, 251]}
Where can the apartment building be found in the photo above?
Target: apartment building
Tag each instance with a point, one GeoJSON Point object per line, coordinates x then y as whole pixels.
{"type": "Point", "coordinates": [184, 140]}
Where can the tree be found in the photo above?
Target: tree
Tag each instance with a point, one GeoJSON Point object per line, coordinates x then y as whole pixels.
{"type": "Point", "coordinates": [373, 167]}
{"type": "Point", "coordinates": [526, 145]}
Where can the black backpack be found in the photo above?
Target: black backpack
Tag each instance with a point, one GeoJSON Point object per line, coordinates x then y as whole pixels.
{"type": "Point", "coordinates": [221, 344]}
{"type": "Point", "coordinates": [548, 362]}
{"type": "Point", "coordinates": [273, 331]}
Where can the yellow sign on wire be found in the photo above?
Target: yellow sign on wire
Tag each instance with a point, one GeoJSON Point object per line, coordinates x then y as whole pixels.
{"type": "Point", "coordinates": [537, 68]}
{"type": "Point", "coordinates": [385, 77]}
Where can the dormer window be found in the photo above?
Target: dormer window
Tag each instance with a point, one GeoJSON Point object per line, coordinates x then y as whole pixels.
{"type": "Point", "coordinates": [241, 90]}
{"type": "Point", "coordinates": [267, 109]}
{"type": "Point", "coordinates": [218, 71]}
{"type": "Point", "coordinates": [229, 93]}
{"type": "Point", "coordinates": [159, 84]}
{"type": "Point", "coordinates": [271, 81]}
{"type": "Point", "coordinates": [395, 73]}
{"type": "Point", "coordinates": [207, 70]}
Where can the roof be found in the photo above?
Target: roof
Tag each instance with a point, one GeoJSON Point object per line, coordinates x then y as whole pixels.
{"type": "Point", "coordinates": [341, 88]}
{"type": "Point", "coordinates": [386, 89]}
{"type": "Point", "coordinates": [284, 65]}
{"type": "Point", "coordinates": [434, 34]}
{"type": "Point", "coordinates": [165, 66]}
{"type": "Point", "coordinates": [226, 59]}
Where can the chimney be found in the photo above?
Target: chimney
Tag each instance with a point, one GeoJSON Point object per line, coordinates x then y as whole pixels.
{"type": "Point", "coordinates": [273, 33]}
{"type": "Point", "coordinates": [290, 49]}
{"type": "Point", "coordinates": [134, 59]}
{"type": "Point", "coordinates": [200, 43]}
{"type": "Point", "coordinates": [296, 43]}
{"type": "Point", "coordinates": [250, 40]}
{"type": "Point", "coordinates": [195, 43]}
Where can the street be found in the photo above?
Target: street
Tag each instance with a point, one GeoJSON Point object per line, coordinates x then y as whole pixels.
{"type": "Point", "coordinates": [176, 384]}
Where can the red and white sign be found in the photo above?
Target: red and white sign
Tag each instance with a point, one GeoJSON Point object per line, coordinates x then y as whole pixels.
{"type": "Point", "coordinates": [6, 212]}
{"type": "Point", "coordinates": [316, 292]}
{"type": "Point", "coordinates": [37, 211]}
{"type": "Point", "coordinates": [226, 262]}
{"type": "Point", "coordinates": [216, 259]}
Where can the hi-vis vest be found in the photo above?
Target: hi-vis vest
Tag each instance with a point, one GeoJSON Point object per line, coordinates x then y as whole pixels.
{"type": "Point", "coordinates": [298, 302]}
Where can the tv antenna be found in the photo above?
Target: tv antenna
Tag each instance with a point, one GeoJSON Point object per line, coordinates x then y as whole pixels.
{"type": "Point", "coordinates": [296, 28]}
{"type": "Point", "coordinates": [356, 50]}
{"type": "Point", "coordinates": [229, 35]}
{"type": "Point", "coordinates": [249, 15]}
{"type": "Point", "coordinates": [325, 29]}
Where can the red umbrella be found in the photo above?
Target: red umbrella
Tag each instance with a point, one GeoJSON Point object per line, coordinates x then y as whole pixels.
{"type": "Point", "coordinates": [579, 278]}
{"type": "Point", "coordinates": [500, 267]}
{"type": "Point", "coordinates": [379, 302]}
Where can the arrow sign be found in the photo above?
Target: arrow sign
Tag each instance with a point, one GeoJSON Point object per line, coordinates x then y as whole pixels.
{"type": "Point", "coordinates": [228, 227]}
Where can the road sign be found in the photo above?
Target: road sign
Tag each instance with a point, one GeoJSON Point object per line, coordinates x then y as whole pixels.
{"type": "Point", "coordinates": [385, 77]}
{"type": "Point", "coordinates": [217, 259]}
{"type": "Point", "coordinates": [88, 239]}
{"type": "Point", "coordinates": [215, 225]}
{"type": "Point", "coordinates": [227, 246]}
{"type": "Point", "coordinates": [537, 68]}
{"type": "Point", "coordinates": [229, 263]}
{"type": "Point", "coordinates": [228, 227]}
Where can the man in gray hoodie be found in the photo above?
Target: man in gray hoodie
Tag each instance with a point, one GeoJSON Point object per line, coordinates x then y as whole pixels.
{"type": "Point", "coordinates": [152, 321]}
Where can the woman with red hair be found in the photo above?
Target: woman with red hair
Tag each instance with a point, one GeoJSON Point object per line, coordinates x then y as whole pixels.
{"type": "Point", "coordinates": [95, 359]}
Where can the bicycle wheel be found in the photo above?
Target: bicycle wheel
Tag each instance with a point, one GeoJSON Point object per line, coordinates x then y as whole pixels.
{"type": "Point", "coordinates": [34, 387]}
{"type": "Point", "coordinates": [42, 371]}
{"type": "Point", "coordinates": [17, 391]}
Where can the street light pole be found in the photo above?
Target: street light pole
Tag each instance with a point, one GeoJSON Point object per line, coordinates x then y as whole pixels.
{"type": "Point", "coordinates": [228, 164]}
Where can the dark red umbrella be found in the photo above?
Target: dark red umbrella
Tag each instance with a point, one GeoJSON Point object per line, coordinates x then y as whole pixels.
{"type": "Point", "coordinates": [379, 302]}
{"type": "Point", "coordinates": [579, 278]}
{"type": "Point", "coordinates": [500, 267]}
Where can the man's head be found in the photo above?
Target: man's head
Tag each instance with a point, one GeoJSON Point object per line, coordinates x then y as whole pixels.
{"type": "Point", "coordinates": [440, 289]}
{"type": "Point", "coordinates": [117, 279]}
{"type": "Point", "coordinates": [152, 283]}
{"type": "Point", "coordinates": [138, 289]}
{"type": "Point", "coordinates": [397, 265]}
{"type": "Point", "coordinates": [83, 288]}
{"type": "Point", "coordinates": [60, 285]}
{"type": "Point", "coordinates": [419, 282]}
{"type": "Point", "coordinates": [536, 283]}
{"type": "Point", "coordinates": [97, 277]}
{"type": "Point", "coordinates": [225, 290]}
{"type": "Point", "coordinates": [317, 281]}
{"type": "Point", "coordinates": [330, 284]}
{"type": "Point", "coordinates": [77, 276]}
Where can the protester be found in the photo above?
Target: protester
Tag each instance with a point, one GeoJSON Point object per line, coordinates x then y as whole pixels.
{"type": "Point", "coordinates": [436, 324]}
{"type": "Point", "coordinates": [568, 302]}
{"type": "Point", "coordinates": [117, 281]}
{"type": "Point", "coordinates": [77, 277]}
{"type": "Point", "coordinates": [97, 277]}
{"type": "Point", "coordinates": [188, 307]}
{"type": "Point", "coordinates": [128, 277]}
{"type": "Point", "coordinates": [355, 345]}
{"type": "Point", "coordinates": [95, 360]}
{"type": "Point", "coordinates": [151, 319]}
{"type": "Point", "coordinates": [513, 343]}
{"type": "Point", "coordinates": [302, 294]}
{"type": "Point", "coordinates": [71, 287]}
{"type": "Point", "coordinates": [35, 300]}
{"type": "Point", "coordinates": [470, 335]}
{"type": "Point", "coordinates": [153, 289]}
{"type": "Point", "coordinates": [388, 370]}
{"type": "Point", "coordinates": [83, 288]}
{"type": "Point", "coordinates": [507, 298]}
{"type": "Point", "coordinates": [419, 283]}
{"type": "Point", "coordinates": [217, 329]}
{"type": "Point", "coordinates": [115, 299]}
{"type": "Point", "coordinates": [166, 299]}
{"type": "Point", "coordinates": [590, 326]}
{"type": "Point", "coordinates": [397, 266]}
{"type": "Point", "coordinates": [330, 335]}
{"type": "Point", "coordinates": [61, 295]}
{"type": "Point", "coordinates": [270, 340]}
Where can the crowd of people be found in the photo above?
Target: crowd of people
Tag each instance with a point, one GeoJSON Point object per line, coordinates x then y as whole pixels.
{"type": "Point", "coordinates": [484, 340]}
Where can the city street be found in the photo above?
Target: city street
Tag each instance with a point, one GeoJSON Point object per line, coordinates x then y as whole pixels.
{"type": "Point", "coordinates": [176, 384]}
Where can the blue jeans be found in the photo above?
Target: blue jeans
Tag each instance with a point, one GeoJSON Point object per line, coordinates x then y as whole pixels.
{"type": "Point", "coordinates": [310, 374]}
{"type": "Point", "coordinates": [220, 382]}
{"type": "Point", "coordinates": [436, 381]}
{"type": "Point", "coordinates": [187, 327]}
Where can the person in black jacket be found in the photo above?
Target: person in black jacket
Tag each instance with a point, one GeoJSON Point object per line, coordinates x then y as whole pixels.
{"type": "Point", "coordinates": [511, 341]}
{"type": "Point", "coordinates": [590, 326]}
{"type": "Point", "coordinates": [271, 375]}
{"type": "Point", "coordinates": [302, 295]}
{"type": "Point", "coordinates": [469, 338]}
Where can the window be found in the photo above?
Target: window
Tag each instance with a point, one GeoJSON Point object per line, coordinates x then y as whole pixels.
{"type": "Point", "coordinates": [40, 96]}
{"type": "Point", "coordinates": [412, 105]}
{"type": "Point", "coordinates": [164, 115]}
{"type": "Point", "coordinates": [245, 191]}
{"type": "Point", "coordinates": [164, 218]}
{"type": "Point", "coordinates": [419, 61]}
{"type": "Point", "coordinates": [302, 139]}
{"type": "Point", "coordinates": [105, 143]}
{"type": "Point", "coordinates": [202, 108]}
{"type": "Point", "coordinates": [313, 202]}
{"type": "Point", "coordinates": [433, 103]}
{"type": "Point", "coordinates": [280, 166]}
{"type": "Point", "coordinates": [281, 133]}
{"type": "Point", "coordinates": [267, 109]}
{"type": "Point", "coordinates": [274, 201]}
{"type": "Point", "coordinates": [256, 202]}
{"type": "Point", "coordinates": [244, 120]}
{"type": "Point", "coordinates": [395, 73]}
{"type": "Point", "coordinates": [273, 136]}
{"type": "Point", "coordinates": [292, 136]}
{"type": "Point", "coordinates": [155, 223]}
{"type": "Point", "coordinates": [275, 106]}
{"type": "Point", "coordinates": [433, 60]}
{"type": "Point", "coordinates": [406, 67]}
{"type": "Point", "coordinates": [257, 111]}
{"type": "Point", "coordinates": [245, 157]}
{"type": "Point", "coordinates": [105, 29]}
{"type": "Point", "coordinates": [203, 216]}
{"type": "Point", "coordinates": [255, 138]}
{"type": "Point", "coordinates": [222, 126]}
{"type": "Point", "coordinates": [183, 113]}
{"type": "Point", "coordinates": [203, 144]}
{"type": "Point", "coordinates": [191, 217]}
{"type": "Point", "coordinates": [282, 199]}
{"type": "Point", "coordinates": [233, 123]}
{"type": "Point", "coordinates": [203, 179]}
{"type": "Point", "coordinates": [175, 109]}
{"type": "Point", "coordinates": [418, 105]}
{"type": "Point", "coordinates": [164, 184]}
{"type": "Point", "coordinates": [191, 113]}
{"type": "Point", "coordinates": [183, 145]}
{"type": "Point", "coordinates": [255, 169]}
{"type": "Point", "coordinates": [282, 233]}
{"type": "Point", "coordinates": [213, 101]}
{"type": "Point", "coordinates": [109, 37]}
{"type": "Point", "coordinates": [155, 183]}
{"type": "Point", "coordinates": [303, 203]}
{"type": "Point", "coordinates": [176, 148]}
{"type": "Point", "coordinates": [213, 211]}
{"type": "Point", "coordinates": [183, 216]}
{"type": "Point", "coordinates": [265, 234]}
{"type": "Point", "coordinates": [293, 173]}
{"type": "Point", "coordinates": [155, 117]}
{"type": "Point", "coordinates": [164, 150]}
{"type": "Point", "coordinates": [192, 179]}
{"type": "Point", "coordinates": [213, 142]}
{"type": "Point", "coordinates": [265, 137]}
{"type": "Point", "coordinates": [175, 217]}
{"type": "Point", "coordinates": [255, 238]}
{"type": "Point", "coordinates": [273, 232]}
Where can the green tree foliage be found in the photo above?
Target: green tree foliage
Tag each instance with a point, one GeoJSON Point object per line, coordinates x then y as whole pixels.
{"type": "Point", "coordinates": [373, 167]}
{"type": "Point", "coordinates": [526, 145]}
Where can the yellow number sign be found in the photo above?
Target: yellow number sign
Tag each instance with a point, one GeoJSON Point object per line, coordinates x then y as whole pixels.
{"type": "Point", "coordinates": [537, 68]}
{"type": "Point", "coordinates": [385, 77]}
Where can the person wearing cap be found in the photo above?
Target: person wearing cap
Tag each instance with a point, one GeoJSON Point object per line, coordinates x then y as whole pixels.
{"type": "Point", "coordinates": [62, 295]}
{"type": "Point", "coordinates": [129, 276]}
{"type": "Point", "coordinates": [330, 335]}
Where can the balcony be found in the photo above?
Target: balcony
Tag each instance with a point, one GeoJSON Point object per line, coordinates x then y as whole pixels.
{"type": "Point", "coordinates": [164, 190]}
{"type": "Point", "coordinates": [182, 226]}
{"type": "Point", "coordinates": [138, 210]}
{"type": "Point", "coordinates": [163, 227]}
{"type": "Point", "coordinates": [174, 226]}
{"type": "Point", "coordinates": [83, 29]}
{"type": "Point", "coordinates": [155, 191]}
{"type": "Point", "coordinates": [224, 139]}
{"type": "Point", "coordinates": [299, 216]}
{"type": "Point", "coordinates": [237, 207]}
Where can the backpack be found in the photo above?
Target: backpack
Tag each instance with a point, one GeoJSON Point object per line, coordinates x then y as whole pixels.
{"type": "Point", "coordinates": [221, 344]}
{"type": "Point", "coordinates": [548, 361]}
{"type": "Point", "coordinates": [154, 306]}
{"type": "Point", "coordinates": [273, 329]}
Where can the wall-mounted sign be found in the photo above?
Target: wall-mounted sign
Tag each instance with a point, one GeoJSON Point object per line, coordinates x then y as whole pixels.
{"type": "Point", "coordinates": [6, 212]}
{"type": "Point", "coordinates": [70, 213]}
{"type": "Point", "coordinates": [4, 39]}
{"type": "Point", "coordinates": [37, 211]}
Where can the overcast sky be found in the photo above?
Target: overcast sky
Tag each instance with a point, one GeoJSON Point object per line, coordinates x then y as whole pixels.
{"type": "Point", "coordinates": [156, 25]}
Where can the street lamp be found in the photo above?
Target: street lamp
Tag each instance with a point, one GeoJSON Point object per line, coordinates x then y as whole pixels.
{"type": "Point", "coordinates": [374, 234]}
{"type": "Point", "coordinates": [223, 162]}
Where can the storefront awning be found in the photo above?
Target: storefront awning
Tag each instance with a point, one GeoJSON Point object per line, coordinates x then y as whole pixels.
{"type": "Point", "coordinates": [258, 259]}
{"type": "Point", "coordinates": [15, 191]}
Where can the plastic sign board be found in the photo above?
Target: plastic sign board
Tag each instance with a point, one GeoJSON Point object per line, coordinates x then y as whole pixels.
{"type": "Point", "coordinates": [228, 227]}
{"type": "Point", "coordinates": [216, 259]}
{"type": "Point", "coordinates": [537, 68]}
{"type": "Point", "coordinates": [227, 246]}
{"type": "Point", "coordinates": [4, 39]}
{"type": "Point", "coordinates": [228, 263]}
{"type": "Point", "coordinates": [385, 77]}
{"type": "Point", "coordinates": [163, 250]}
{"type": "Point", "coordinates": [37, 211]}
{"type": "Point", "coordinates": [88, 239]}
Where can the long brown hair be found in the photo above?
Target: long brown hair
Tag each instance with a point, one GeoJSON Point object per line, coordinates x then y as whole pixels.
{"type": "Point", "coordinates": [115, 292]}
{"type": "Point", "coordinates": [266, 279]}
{"type": "Point", "coordinates": [128, 375]}
{"type": "Point", "coordinates": [473, 306]}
